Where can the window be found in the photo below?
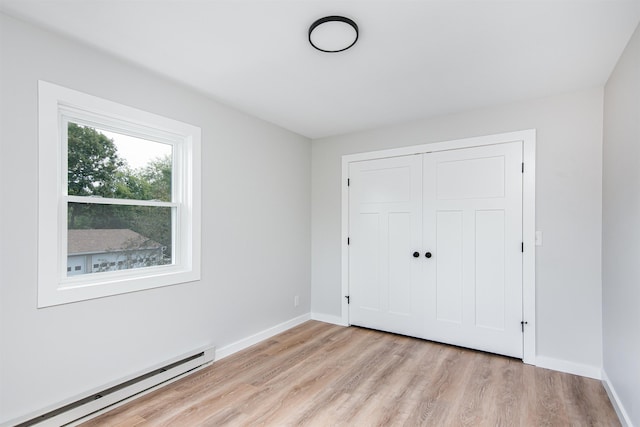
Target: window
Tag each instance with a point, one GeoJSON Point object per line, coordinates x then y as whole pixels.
{"type": "Point", "coordinates": [119, 190]}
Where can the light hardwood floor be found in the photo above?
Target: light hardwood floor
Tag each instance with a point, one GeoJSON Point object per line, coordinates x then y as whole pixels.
{"type": "Point", "coordinates": [319, 374]}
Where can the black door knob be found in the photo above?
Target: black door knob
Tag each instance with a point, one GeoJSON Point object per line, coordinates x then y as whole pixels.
{"type": "Point", "coordinates": [416, 254]}
{"type": "Point", "coordinates": [428, 254]}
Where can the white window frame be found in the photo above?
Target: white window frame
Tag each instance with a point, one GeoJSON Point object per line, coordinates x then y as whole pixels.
{"type": "Point", "coordinates": [57, 106]}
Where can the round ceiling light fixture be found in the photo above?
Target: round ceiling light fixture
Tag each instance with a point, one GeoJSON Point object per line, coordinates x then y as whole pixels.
{"type": "Point", "coordinates": [333, 34]}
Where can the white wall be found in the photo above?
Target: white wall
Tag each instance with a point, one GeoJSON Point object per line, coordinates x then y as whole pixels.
{"type": "Point", "coordinates": [568, 211]}
{"type": "Point", "coordinates": [621, 230]}
{"type": "Point", "coordinates": [255, 232]}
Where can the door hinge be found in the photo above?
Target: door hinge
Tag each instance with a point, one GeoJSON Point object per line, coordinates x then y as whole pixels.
{"type": "Point", "coordinates": [522, 325]}
{"type": "Point", "coordinates": [522, 167]}
{"type": "Point", "coordinates": [347, 297]}
{"type": "Point", "coordinates": [522, 247]}
{"type": "Point", "coordinates": [348, 182]}
{"type": "Point", "coordinates": [348, 241]}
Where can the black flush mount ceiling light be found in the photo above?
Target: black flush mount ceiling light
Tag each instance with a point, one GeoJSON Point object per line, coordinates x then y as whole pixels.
{"type": "Point", "coordinates": [333, 34]}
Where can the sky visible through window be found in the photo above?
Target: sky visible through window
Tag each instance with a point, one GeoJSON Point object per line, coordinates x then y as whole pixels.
{"type": "Point", "coordinates": [137, 152]}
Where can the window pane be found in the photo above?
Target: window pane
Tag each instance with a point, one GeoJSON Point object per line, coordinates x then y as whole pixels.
{"type": "Point", "coordinates": [108, 164]}
{"type": "Point", "coordinates": [114, 237]}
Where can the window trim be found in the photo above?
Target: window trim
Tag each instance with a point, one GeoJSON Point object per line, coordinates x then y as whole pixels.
{"type": "Point", "coordinates": [56, 105]}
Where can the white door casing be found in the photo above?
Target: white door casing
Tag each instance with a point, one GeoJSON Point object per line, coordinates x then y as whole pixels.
{"type": "Point", "coordinates": [472, 223]}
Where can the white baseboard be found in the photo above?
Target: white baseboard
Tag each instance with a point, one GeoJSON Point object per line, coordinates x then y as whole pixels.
{"type": "Point", "coordinates": [328, 318]}
{"type": "Point", "coordinates": [615, 401]}
{"type": "Point", "coordinates": [569, 367]}
{"type": "Point", "coordinates": [228, 350]}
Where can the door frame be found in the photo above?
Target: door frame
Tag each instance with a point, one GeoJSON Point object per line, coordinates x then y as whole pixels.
{"type": "Point", "coordinates": [528, 139]}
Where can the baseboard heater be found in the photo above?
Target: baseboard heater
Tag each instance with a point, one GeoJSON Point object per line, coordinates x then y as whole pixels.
{"type": "Point", "coordinates": [83, 408]}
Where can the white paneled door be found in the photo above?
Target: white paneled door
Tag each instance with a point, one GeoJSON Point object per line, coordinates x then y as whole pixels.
{"type": "Point", "coordinates": [435, 246]}
{"type": "Point", "coordinates": [473, 227]}
{"type": "Point", "coordinates": [385, 218]}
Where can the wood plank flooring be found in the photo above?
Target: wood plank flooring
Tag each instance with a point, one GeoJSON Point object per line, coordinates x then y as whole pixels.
{"type": "Point", "coordinates": [319, 374]}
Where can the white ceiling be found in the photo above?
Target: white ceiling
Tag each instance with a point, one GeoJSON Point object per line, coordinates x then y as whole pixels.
{"type": "Point", "coordinates": [414, 59]}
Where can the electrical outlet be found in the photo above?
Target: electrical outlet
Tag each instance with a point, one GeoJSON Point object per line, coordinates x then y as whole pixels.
{"type": "Point", "coordinates": [296, 301]}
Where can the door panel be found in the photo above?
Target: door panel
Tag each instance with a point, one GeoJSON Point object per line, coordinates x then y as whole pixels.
{"type": "Point", "coordinates": [449, 266]}
{"type": "Point", "coordinates": [400, 245]}
{"type": "Point", "coordinates": [470, 178]}
{"type": "Point", "coordinates": [385, 184]}
{"type": "Point", "coordinates": [490, 269]}
{"type": "Point", "coordinates": [385, 223]}
{"type": "Point", "coordinates": [366, 230]}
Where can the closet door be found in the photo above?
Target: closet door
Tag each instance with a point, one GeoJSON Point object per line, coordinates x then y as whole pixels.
{"type": "Point", "coordinates": [385, 229]}
{"type": "Point", "coordinates": [473, 230]}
